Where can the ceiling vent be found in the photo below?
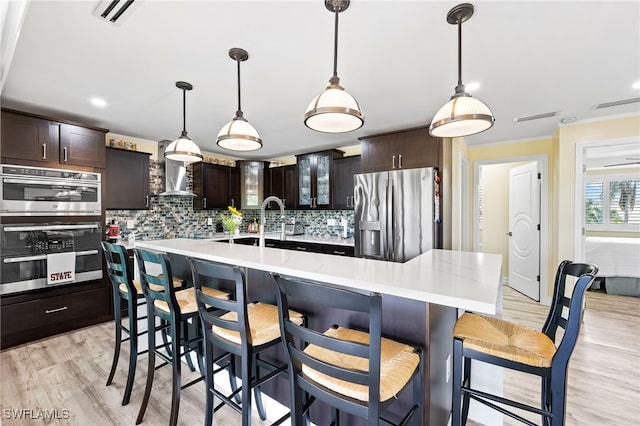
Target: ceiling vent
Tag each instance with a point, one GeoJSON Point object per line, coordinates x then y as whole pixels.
{"type": "Point", "coordinates": [616, 103]}
{"type": "Point", "coordinates": [115, 11]}
{"type": "Point", "coordinates": [536, 116]}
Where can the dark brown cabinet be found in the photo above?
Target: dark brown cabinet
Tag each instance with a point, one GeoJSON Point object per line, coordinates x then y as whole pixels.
{"type": "Point", "coordinates": [284, 185]}
{"type": "Point", "coordinates": [35, 138]}
{"type": "Point", "coordinates": [33, 316]}
{"type": "Point", "coordinates": [406, 149]}
{"type": "Point", "coordinates": [344, 169]}
{"type": "Point", "coordinates": [215, 186]}
{"type": "Point", "coordinates": [254, 184]}
{"type": "Point", "coordinates": [29, 138]}
{"type": "Point", "coordinates": [127, 180]}
{"type": "Point", "coordinates": [315, 177]}
{"type": "Point", "coordinates": [81, 146]}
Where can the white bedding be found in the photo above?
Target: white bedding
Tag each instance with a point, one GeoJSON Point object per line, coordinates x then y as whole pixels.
{"type": "Point", "coordinates": [614, 257]}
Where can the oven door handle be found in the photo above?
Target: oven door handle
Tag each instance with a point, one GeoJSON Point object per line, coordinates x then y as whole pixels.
{"type": "Point", "coordinates": [49, 227]}
{"type": "Point", "coordinates": [64, 182]}
{"type": "Point", "coordinates": [24, 259]}
{"type": "Point", "coordinates": [43, 257]}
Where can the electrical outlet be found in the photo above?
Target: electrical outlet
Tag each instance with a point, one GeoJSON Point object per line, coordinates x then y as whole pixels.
{"type": "Point", "coordinates": [131, 224]}
{"type": "Point", "coordinates": [209, 221]}
{"type": "Point", "coordinates": [331, 222]}
{"type": "Point", "coordinates": [448, 367]}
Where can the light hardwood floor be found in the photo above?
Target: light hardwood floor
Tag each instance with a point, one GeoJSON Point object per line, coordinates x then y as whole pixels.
{"type": "Point", "coordinates": [68, 372]}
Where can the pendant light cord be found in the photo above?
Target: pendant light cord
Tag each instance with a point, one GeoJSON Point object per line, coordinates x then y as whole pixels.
{"type": "Point", "coordinates": [459, 51]}
{"type": "Point", "coordinates": [239, 111]}
{"type": "Point", "coordinates": [184, 112]}
{"type": "Point", "coordinates": [335, 47]}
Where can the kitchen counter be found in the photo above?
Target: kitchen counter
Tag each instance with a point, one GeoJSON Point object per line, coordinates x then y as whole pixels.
{"type": "Point", "coordinates": [421, 299]}
{"type": "Point", "coordinates": [462, 280]}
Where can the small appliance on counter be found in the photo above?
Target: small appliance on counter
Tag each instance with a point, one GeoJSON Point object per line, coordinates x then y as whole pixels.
{"type": "Point", "coordinates": [293, 229]}
{"type": "Point", "coordinates": [113, 232]}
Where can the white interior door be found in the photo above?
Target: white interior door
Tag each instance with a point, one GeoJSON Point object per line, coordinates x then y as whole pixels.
{"type": "Point", "coordinates": [524, 235]}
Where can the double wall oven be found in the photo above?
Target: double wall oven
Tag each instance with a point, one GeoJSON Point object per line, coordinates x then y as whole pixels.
{"type": "Point", "coordinates": [59, 241]}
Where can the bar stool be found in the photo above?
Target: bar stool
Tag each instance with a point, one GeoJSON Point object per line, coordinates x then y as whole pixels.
{"type": "Point", "coordinates": [124, 288]}
{"type": "Point", "coordinates": [176, 308]}
{"type": "Point", "coordinates": [359, 372]}
{"type": "Point", "coordinates": [239, 329]}
{"type": "Point", "coordinates": [513, 346]}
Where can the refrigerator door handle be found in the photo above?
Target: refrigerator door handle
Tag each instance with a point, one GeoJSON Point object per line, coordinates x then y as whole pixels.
{"type": "Point", "coordinates": [390, 240]}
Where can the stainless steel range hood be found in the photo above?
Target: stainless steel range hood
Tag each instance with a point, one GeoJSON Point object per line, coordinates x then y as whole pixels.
{"type": "Point", "coordinates": [173, 173]}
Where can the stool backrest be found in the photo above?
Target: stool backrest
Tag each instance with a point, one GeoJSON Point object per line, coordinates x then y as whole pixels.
{"type": "Point", "coordinates": [118, 267]}
{"type": "Point", "coordinates": [156, 281]}
{"type": "Point", "coordinates": [298, 337]}
{"type": "Point", "coordinates": [211, 309]}
{"type": "Point", "coordinates": [570, 318]}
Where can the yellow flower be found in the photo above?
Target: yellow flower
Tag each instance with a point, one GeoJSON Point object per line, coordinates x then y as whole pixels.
{"type": "Point", "coordinates": [234, 211]}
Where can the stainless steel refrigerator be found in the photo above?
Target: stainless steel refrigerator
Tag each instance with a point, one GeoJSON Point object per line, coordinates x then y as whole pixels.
{"type": "Point", "coordinates": [396, 214]}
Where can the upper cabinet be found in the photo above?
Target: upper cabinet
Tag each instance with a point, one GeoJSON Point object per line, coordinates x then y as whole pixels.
{"type": "Point", "coordinates": [81, 146]}
{"type": "Point", "coordinates": [405, 149]}
{"type": "Point", "coordinates": [254, 178]}
{"type": "Point", "coordinates": [127, 180]}
{"type": "Point", "coordinates": [344, 171]}
{"type": "Point", "coordinates": [215, 186]}
{"type": "Point", "coordinates": [284, 185]}
{"type": "Point", "coordinates": [34, 138]}
{"type": "Point", "coordinates": [315, 177]}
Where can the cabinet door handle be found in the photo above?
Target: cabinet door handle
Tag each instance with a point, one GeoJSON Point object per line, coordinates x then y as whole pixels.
{"type": "Point", "coordinates": [393, 162]}
{"type": "Point", "coordinates": [52, 311]}
{"type": "Point", "coordinates": [64, 154]}
{"type": "Point", "coordinates": [233, 202]}
{"type": "Point", "coordinates": [301, 248]}
{"type": "Point", "coordinates": [400, 161]}
{"type": "Point", "coordinates": [146, 201]}
{"type": "Point", "coordinates": [44, 151]}
{"type": "Point", "coordinates": [284, 202]}
{"type": "Point", "coordinates": [339, 252]}
{"type": "Point", "coordinates": [204, 202]}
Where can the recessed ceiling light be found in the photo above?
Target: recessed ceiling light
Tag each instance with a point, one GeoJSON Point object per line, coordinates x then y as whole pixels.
{"type": "Point", "coordinates": [98, 102]}
{"type": "Point", "coordinates": [473, 86]}
{"type": "Point", "coordinates": [636, 85]}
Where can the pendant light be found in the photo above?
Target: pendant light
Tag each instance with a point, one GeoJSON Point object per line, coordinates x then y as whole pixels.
{"type": "Point", "coordinates": [238, 134]}
{"type": "Point", "coordinates": [462, 115]}
{"type": "Point", "coordinates": [183, 148]}
{"type": "Point", "coordinates": [334, 110]}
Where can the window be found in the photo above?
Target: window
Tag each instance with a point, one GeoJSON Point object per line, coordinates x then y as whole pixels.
{"type": "Point", "coordinates": [610, 202]}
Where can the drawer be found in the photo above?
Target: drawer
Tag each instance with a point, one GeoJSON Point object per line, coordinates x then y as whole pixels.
{"type": "Point", "coordinates": [34, 319]}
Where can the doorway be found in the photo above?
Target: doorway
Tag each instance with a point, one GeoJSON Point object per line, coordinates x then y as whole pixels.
{"type": "Point", "coordinates": [491, 223]}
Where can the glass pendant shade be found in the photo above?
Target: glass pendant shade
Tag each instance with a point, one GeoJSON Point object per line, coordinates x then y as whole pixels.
{"type": "Point", "coordinates": [461, 116]}
{"type": "Point", "coordinates": [239, 135]}
{"type": "Point", "coordinates": [334, 111]}
{"type": "Point", "coordinates": [183, 149]}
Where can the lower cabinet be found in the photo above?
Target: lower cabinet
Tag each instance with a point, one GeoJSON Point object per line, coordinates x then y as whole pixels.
{"type": "Point", "coordinates": [335, 249]}
{"type": "Point", "coordinates": [32, 316]}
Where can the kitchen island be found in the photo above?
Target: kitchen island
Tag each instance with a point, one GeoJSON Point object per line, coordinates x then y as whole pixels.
{"type": "Point", "coordinates": [420, 297]}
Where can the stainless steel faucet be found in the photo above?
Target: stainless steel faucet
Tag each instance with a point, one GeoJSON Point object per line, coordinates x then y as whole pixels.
{"type": "Point", "coordinates": [263, 219]}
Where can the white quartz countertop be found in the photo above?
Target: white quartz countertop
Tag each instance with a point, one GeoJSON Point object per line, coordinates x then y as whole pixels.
{"type": "Point", "coordinates": [464, 280]}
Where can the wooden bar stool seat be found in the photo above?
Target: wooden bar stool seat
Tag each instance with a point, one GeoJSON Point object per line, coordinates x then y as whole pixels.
{"type": "Point", "coordinates": [516, 347]}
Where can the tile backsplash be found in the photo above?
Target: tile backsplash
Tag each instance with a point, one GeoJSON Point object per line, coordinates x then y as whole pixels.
{"type": "Point", "coordinates": [174, 217]}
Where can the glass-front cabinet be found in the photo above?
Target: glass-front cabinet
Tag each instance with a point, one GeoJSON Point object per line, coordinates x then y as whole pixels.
{"type": "Point", "coordinates": [315, 174]}
{"type": "Point", "coordinates": [252, 184]}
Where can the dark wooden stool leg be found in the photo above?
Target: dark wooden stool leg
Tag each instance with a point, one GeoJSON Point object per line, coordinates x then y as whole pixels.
{"type": "Point", "coordinates": [133, 348]}
{"type": "Point", "coordinates": [176, 370]}
{"type": "Point", "coordinates": [117, 318]}
{"type": "Point", "coordinates": [466, 398]}
{"type": "Point", "coordinates": [256, 390]}
{"type": "Point", "coordinates": [457, 383]}
{"type": "Point", "coordinates": [151, 364]}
